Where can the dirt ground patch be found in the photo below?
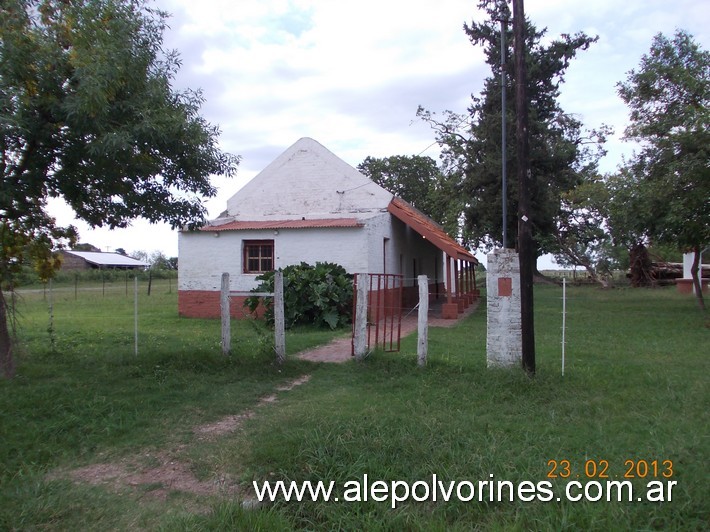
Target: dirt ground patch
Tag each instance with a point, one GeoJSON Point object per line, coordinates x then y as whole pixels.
{"type": "Point", "coordinates": [158, 473]}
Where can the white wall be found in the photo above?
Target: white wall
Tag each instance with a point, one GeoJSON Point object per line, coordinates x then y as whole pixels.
{"type": "Point", "coordinates": [408, 245]}
{"type": "Point", "coordinates": [204, 257]}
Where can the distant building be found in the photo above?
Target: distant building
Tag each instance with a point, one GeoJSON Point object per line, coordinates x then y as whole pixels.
{"type": "Point", "coordinates": [88, 260]}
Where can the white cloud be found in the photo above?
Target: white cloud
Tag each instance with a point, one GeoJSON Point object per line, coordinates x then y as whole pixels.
{"type": "Point", "coordinates": [351, 74]}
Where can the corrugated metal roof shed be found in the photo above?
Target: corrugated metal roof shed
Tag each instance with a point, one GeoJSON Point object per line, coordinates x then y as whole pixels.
{"type": "Point", "coordinates": [109, 260]}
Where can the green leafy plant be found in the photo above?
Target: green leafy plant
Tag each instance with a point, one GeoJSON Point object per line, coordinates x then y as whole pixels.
{"type": "Point", "coordinates": [320, 294]}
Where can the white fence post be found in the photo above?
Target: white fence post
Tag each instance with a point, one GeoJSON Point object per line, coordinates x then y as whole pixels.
{"type": "Point", "coordinates": [360, 338]}
{"type": "Point", "coordinates": [279, 319]}
{"type": "Point", "coordinates": [224, 312]}
{"type": "Point", "coordinates": [564, 318]}
{"type": "Point", "coordinates": [135, 314]}
{"type": "Point", "coordinates": [422, 323]}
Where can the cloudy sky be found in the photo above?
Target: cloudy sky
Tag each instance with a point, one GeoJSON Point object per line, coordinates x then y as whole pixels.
{"type": "Point", "coordinates": [352, 74]}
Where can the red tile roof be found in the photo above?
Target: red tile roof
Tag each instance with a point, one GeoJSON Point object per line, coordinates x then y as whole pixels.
{"type": "Point", "coordinates": [241, 225]}
{"type": "Point", "coordinates": [429, 229]}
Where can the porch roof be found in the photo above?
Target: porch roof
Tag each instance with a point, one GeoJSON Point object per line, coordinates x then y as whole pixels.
{"type": "Point", "coordinates": [429, 229]}
{"type": "Point", "coordinates": [243, 225]}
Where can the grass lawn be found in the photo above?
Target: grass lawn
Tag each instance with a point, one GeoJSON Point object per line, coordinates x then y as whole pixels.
{"type": "Point", "coordinates": [635, 389]}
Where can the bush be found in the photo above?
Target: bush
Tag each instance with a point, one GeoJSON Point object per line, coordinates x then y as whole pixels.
{"type": "Point", "coordinates": [320, 294]}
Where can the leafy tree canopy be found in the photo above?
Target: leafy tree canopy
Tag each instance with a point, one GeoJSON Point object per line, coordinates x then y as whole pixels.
{"type": "Point", "coordinates": [88, 115]}
{"type": "Point", "coordinates": [669, 100]}
{"type": "Point", "coordinates": [562, 153]}
{"type": "Point", "coordinates": [419, 181]}
{"type": "Point", "coordinates": [668, 180]}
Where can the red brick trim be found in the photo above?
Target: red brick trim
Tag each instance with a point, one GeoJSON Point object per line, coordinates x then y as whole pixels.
{"type": "Point", "coordinates": [205, 304]}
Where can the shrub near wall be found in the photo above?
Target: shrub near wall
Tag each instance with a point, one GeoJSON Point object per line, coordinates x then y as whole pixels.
{"type": "Point", "coordinates": [320, 294]}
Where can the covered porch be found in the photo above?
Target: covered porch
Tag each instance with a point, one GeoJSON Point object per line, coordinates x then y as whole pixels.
{"type": "Point", "coordinates": [460, 290]}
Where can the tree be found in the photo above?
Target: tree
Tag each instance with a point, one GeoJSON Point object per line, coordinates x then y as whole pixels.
{"type": "Point", "coordinates": [419, 181]}
{"type": "Point", "coordinates": [669, 100]}
{"type": "Point", "coordinates": [158, 261]}
{"type": "Point", "coordinates": [88, 114]}
{"type": "Point", "coordinates": [562, 153]}
{"type": "Point", "coordinates": [582, 237]}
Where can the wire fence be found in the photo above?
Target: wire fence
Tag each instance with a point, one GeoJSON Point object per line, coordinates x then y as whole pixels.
{"type": "Point", "coordinates": [563, 312]}
{"type": "Point", "coordinates": [108, 286]}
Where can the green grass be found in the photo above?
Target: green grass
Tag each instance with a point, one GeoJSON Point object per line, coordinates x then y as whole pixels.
{"type": "Point", "coordinates": [635, 387]}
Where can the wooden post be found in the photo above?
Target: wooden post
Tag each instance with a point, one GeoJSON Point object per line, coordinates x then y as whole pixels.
{"type": "Point", "coordinates": [279, 318]}
{"type": "Point", "coordinates": [360, 339]}
{"type": "Point", "coordinates": [224, 312]}
{"type": "Point", "coordinates": [526, 251]}
{"type": "Point", "coordinates": [422, 323]}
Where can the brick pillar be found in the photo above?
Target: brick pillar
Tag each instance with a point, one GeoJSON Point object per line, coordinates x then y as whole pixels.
{"type": "Point", "coordinates": [504, 339]}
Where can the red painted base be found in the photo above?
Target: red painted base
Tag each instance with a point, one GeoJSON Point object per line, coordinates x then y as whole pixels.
{"type": "Point", "coordinates": [450, 311]}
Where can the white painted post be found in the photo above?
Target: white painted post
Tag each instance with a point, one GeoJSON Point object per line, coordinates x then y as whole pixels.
{"type": "Point", "coordinates": [360, 339]}
{"type": "Point", "coordinates": [135, 315]}
{"type": "Point", "coordinates": [564, 317]}
{"type": "Point", "coordinates": [224, 312]}
{"type": "Point", "coordinates": [52, 339]}
{"type": "Point", "coordinates": [279, 318]}
{"type": "Point", "coordinates": [422, 323]}
{"type": "Point", "coordinates": [51, 306]}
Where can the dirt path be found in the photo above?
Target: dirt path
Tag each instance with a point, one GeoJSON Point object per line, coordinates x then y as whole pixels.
{"type": "Point", "coordinates": [156, 473]}
{"type": "Point", "coordinates": [339, 350]}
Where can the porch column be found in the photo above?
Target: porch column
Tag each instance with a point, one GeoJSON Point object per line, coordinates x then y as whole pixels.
{"type": "Point", "coordinates": [448, 279]}
{"type": "Point", "coordinates": [457, 279]}
{"type": "Point", "coordinates": [450, 309]}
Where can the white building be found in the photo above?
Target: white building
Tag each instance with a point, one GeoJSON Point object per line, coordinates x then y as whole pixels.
{"type": "Point", "coordinates": [310, 206]}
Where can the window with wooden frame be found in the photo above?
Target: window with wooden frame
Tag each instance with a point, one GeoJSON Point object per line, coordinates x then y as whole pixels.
{"type": "Point", "coordinates": [258, 256]}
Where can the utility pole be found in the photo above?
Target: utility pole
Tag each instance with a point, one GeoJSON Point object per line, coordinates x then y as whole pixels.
{"type": "Point", "coordinates": [504, 136]}
{"type": "Point", "coordinates": [525, 242]}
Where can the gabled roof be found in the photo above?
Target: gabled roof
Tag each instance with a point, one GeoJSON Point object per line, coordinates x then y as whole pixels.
{"type": "Point", "coordinates": [108, 259]}
{"type": "Point", "coordinates": [243, 225]}
{"type": "Point", "coordinates": [429, 229]}
{"type": "Point", "coordinates": [308, 180]}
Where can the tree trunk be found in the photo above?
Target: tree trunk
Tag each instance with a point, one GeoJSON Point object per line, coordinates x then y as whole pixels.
{"type": "Point", "coordinates": [697, 279]}
{"type": "Point", "coordinates": [7, 363]}
{"type": "Point", "coordinates": [641, 267]}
